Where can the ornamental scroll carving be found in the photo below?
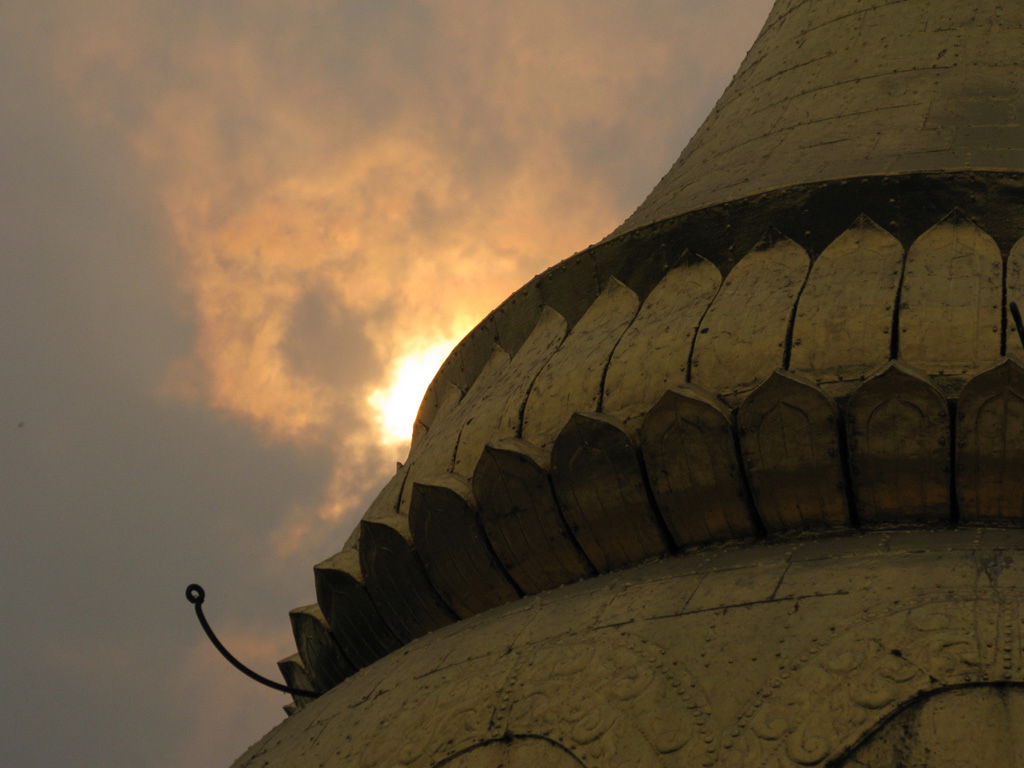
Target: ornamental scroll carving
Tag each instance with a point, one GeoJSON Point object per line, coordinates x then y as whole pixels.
{"type": "Point", "coordinates": [823, 704]}
{"type": "Point", "coordinates": [601, 701]}
{"type": "Point", "coordinates": [609, 699]}
{"type": "Point", "coordinates": [974, 727]}
{"type": "Point", "coordinates": [614, 700]}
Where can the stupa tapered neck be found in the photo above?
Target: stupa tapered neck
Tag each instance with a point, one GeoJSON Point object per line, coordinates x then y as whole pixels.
{"type": "Point", "coordinates": [835, 89]}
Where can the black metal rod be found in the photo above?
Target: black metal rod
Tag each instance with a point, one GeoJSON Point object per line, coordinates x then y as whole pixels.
{"type": "Point", "coordinates": [1015, 311]}
{"type": "Point", "coordinates": [195, 594]}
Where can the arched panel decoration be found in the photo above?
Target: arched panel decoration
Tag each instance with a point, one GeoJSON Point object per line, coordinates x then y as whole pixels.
{"type": "Point", "coordinates": [898, 433]}
{"type": "Point", "coordinates": [850, 685]}
{"type": "Point", "coordinates": [742, 338]}
{"type": "Point", "coordinates": [789, 432]}
{"type": "Point", "coordinates": [571, 380]}
{"type": "Point", "coordinates": [990, 445]}
{"type": "Point", "coordinates": [979, 726]}
{"type": "Point", "coordinates": [599, 484]}
{"type": "Point", "coordinates": [454, 550]}
{"type": "Point", "coordinates": [843, 324]}
{"type": "Point", "coordinates": [654, 352]}
{"type": "Point", "coordinates": [522, 520]}
{"type": "Point", "coordinates": [690, 456]}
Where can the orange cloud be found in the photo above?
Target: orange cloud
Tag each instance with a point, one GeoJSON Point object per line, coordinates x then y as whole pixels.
{"type": "Point", "coordinates": [351, 185]}
{"type": "Point", "coordinates": [409, 166]}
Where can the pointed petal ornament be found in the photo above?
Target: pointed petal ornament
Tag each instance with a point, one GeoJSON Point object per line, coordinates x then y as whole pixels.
{"type": "Point", "coordinates": [522, 518]}
{"type": "Point", "coordinates": [455, 551]}
{"type": "Point", "coordinates": [843, 325]}
{"type": "Point", "coordinates": [689, 452]}
{"type": "Point", "coordinates": [789, 431]}
{"type": "Point", "coordinates": [653, 354]}
{"type": "Point", "coordinates": [601, 490]}
{"type": "Point", "coordinates": [990, 445]}
{"type": "Point", "coordinates": [899, 442]}
{"type": "Point", "coordinates": [571, 380]}
{"type": "Point", "coordinates": [744, 336]}
{"type": "Point", "coordinates": [951, 304]}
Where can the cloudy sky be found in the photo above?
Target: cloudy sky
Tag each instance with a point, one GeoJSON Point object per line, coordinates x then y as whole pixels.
{"type": "Point", "coordinates": [237, 238]}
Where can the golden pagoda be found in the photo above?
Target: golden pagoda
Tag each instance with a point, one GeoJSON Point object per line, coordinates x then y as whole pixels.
{"type": "Point", "coordinates": [743, 484]}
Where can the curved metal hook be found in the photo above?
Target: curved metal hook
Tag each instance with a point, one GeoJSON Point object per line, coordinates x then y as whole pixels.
{"type": "Point", "coordinates": [195, 594]}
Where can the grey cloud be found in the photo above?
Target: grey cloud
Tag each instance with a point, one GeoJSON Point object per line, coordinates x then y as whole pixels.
{"type": "Point", "coordinates": [325, 341]}
{"type": "Point", "coordinates": [116, 494]}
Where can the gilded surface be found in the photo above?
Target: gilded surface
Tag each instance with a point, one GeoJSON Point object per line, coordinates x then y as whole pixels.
{"type": "Point", "coordinates": [440, 401]}
{"type": "Point", "coordinates": [599, 483]}
{"type": "Point", "coordinates": [384, 508]}
{"type": "Point", "coordinates": [571, 380]}
{"type": "Point", "coordinates": [843, 324]}
{"type": "Point", "coordinates": [789, 434]}
{"type": "Point", "coordinates": [695, 475]}
{"type": "Point", "coordinates": [454, 550]}
{"type": "Point", "coordinates": [833, 89]}
{"type": "Point", "coordinates": [932, 732]}
{"type": "Point", "coordinates": [654, 352]}
{"type": "Point", "coordinates": [990, 445]}
{"type": "Point", "coordinates": [398, 583]}
{"type": "Point", "coordinates": [698, 486]}
{"type": "Point", "coordinates": [1014, 293]}
{"type": "Point", "coordinates": [513, 752]}
{"type": "Point", "coordinates": [323, 661]}
{"type": "Point", "coordinates": [358, 627]}
{"type": "Point", "coordinates": [775, 656]}
{"type": "Point", "coordinates": [435, 453]}
{"type": "Point", "coordinates": [951, 304]}
{"type": "Point", "coordinates": [522, 519]}
{"type": "Point", "coordinates": [295, 676]}
{"type": "Point", "coordinates": [743, 336]}
{"type": "Point", "coordinates": [562, 437]}
{"type": "Point", "coordinates": [392, 572]}
{"type": "Point", "coordinates": [899, 440]}
{"type": "Point", "coordinates": [499, 415]}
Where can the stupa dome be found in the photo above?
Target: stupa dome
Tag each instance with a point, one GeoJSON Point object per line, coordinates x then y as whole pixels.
{"type": "Point", "coordinates": [789, 379]}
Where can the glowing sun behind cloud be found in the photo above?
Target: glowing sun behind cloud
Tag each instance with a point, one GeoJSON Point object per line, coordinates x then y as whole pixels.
{"type": "Point", "coordinates": [336, 234]}
{"type": "Point", "coordinates": [395, 403]}
{"type": "Point", "coordinates": [242, 236]}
